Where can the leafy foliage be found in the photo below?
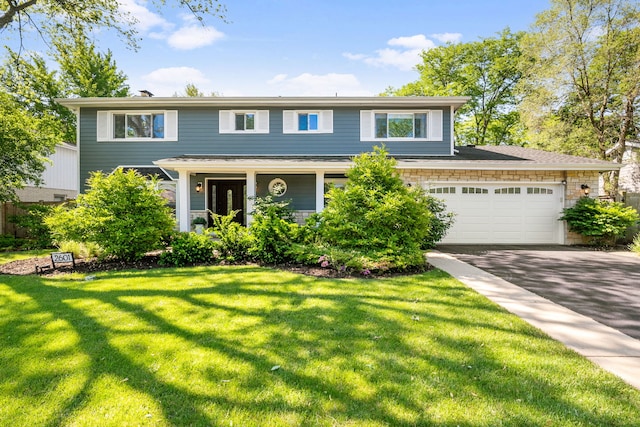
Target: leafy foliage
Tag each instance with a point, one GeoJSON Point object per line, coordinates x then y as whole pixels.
{"type": "Point", "coordinates": [599, 220]}
{"type": "Point", "coordinates": [378, 216]}
{"type": "Point", "coordinates": [635, 245]}
{"type": "Point", "coordinates": [26, 141]}
{"type": "Point", "coordinates": [273, 230]}
{"type": "Point", "coordinates": [487, 71]}
{"type": "Point", "coordinates": [188, 248]}
{"type": "Point", "coordinates": [234, 240]}
{"type": "Point", "coordinates": [123, 212]}
{"type": "Point", "coordinates": [69, 18]}
{"type": "Point", "coordinates": [33, 221]}
{"type": "Point", "coordinates": [81, 249]}
{"type": "Point", "coordinates": [581, 82]}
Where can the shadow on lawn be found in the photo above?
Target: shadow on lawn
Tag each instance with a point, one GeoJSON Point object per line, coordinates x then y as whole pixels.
{"type": "Point", "coordinates": [346, 350]}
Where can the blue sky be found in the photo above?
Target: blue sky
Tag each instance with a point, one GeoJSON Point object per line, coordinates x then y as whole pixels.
{"type": "Point", "coordinates": [303, 47]}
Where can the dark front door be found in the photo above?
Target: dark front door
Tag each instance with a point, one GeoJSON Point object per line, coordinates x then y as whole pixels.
{"type": "Point", "coordinates": [226, 196]}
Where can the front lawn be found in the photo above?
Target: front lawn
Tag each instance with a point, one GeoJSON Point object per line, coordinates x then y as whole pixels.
{"type": "Point", "coordinates": [248, 346]}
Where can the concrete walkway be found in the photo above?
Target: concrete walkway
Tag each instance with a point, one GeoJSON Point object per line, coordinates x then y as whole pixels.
{"type": "Point", "coordinates": [612, 350]}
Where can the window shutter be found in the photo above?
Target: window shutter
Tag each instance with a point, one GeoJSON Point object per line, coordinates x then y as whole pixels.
{"type": "Point", "coordinates": [326, 121]}
{"type": "Point", "coordinates": [289, 121]}
{"type": "Point", "coordinates": [262, 121]}
{"type": "Point", "coordinates": [366, 125]}
{"type": "Point", "coordinates": [171, 125]}
{"type": "Point", "coordinates": [103, 126]}
{"type": "Point", "coordinates": [435, 125]}
{"type": "Point", "coordinates": [226, 124]}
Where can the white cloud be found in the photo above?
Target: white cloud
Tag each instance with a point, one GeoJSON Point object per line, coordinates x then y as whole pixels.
{"type": "Point", "coordinates": [168, 81]}
{"type": "Point", "coordinates": [447, 37]}
{"type": "Point", "coordinates": [418, 41]}
{"type": "Point", "coordinates": [307, 84]}
{"type": "Point", "coordinates": [190, 35]}
{"type": "Point", "coordinates": [145, 18]}
{"type": "Point", "coordinates": [404, 53]}
{"type": "Point", "coordinates": [193, 36]}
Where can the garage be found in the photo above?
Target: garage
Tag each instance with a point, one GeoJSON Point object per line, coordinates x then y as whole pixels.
{"type": "Point", "coordinates": [503, 213]}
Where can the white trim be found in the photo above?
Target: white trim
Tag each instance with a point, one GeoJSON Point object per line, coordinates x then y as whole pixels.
{"type": "Point", "coordinates": [229, 102]}
{"type": "Point", "coordinates": [319, 190]}
{"type": "Point", "coordinates": [290, 120]}
{"type": "Point", "coordinates": [104, 125]}
{"type": "Point", "coordinates": [227, 121]}
{"type": "Point", "coordinates": [250, 182]}
{"type": "Point", "coordinates": [434, 125]}
{"type": "Point", "coordinates": [183, 200]}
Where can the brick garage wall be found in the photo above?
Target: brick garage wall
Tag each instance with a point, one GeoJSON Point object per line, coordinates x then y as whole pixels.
{"type": "Point", "coordinates": [573, 190]}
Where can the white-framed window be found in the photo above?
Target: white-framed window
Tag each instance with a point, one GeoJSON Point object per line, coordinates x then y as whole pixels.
{"type": "Point", "coordinates": [423, 125]}
{"type": "Point", "coordinates": [135, 126]}
{"type": "Point", "coordinates": [244, 121]}
{"type": "Point", "coordinates": [303, 121]}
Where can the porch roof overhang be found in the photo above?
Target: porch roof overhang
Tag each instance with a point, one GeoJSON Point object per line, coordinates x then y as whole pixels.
{"type": "Point", "coordinates": [466, 158]}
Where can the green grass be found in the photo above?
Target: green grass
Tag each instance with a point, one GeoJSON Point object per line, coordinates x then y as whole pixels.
{"type": "Point", "coordinates": [196, 347]}
{"type": "Point", "coordinates": [6, 257]}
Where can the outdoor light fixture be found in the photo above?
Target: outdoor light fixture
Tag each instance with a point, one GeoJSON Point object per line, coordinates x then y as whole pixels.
{"type": "Point", "coordinates": [563, 182]}
{"type": "Point", "coordinates": [198, 187]}
{"type": "Point", "coordinates": [585, 189]}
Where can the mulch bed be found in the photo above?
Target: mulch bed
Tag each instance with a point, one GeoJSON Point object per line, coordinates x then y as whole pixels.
{"type": "Point", "coordinates": [150, 261]}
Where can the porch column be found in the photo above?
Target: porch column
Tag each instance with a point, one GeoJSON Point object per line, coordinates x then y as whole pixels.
{"type": "Point", "coordinates": [319, 191]}
{"type": "Point", "coordinates": [251, 194]}
{"type": "Point", "coordinates": [184, 200]}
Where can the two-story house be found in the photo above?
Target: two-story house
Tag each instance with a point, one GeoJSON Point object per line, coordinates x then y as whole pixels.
{"type": "Point", "coordinates": [218, 153]}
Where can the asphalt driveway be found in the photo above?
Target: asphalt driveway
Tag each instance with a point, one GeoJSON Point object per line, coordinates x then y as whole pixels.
{"type": "Point", "coordinates": [599, 284]}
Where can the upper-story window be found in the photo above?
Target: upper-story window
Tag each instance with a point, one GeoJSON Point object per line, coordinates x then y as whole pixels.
{"type": "Point", "coordinates": [294, 121]}
{"type": "Point", "coordinates": [423, 125]}
{"type": "Point", "coordinates": [245, 121]}
{"type": "Point", "coordinates": [137, 126]}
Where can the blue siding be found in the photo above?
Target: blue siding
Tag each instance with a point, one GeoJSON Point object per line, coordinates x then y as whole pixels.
{"type": "Point", "coordinates": [301, 189]}
{"type": "Point", "coordinates": [198, 134]}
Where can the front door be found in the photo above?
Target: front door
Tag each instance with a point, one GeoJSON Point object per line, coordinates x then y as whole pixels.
{"type": "Point", "coordinates": [227, 195]}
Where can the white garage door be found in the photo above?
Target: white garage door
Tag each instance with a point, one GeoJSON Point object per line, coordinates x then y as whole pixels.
{"type": "Point", "coordinates": [503, 213]}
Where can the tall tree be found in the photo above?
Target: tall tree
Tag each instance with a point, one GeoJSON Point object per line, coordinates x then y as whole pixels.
{"type": "Point", "coordinates": [54, 18]}
{"type": "Point", "coordinates": [25, 142]}
{"type": "Point", "coordinates": [487, 71]}
{"type": "Point", "coordinates": [34, 87]}
{"type": "Point", "coordinates": [87, 72]}
{"type": "Point", "coordinates": [582, 82]}
{"type": "Point", "coordinates": [29, 90]}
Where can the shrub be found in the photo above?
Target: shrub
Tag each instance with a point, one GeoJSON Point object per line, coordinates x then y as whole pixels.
{"type": "Point", "coordinates": [273, 230]}
{"type": "Point", "coordinates": [234, 238]}
{"type": "Point", "coordinates": [440, 223]}
{"type": "Point", "coordinates": [635, 245]}
{"type": "Point", "coordinates": [602, 222]}
{"type": "Point", "coordinates": [32, 221]}
{"type": "Point", "coordinates": [123, 213]}
{"type": "Point", "coordinates": [9, 242]}
{"type": "Point", "coordinates": [80, 249]}
{"type": "Point", "coordinates": [188, 248]}
{"type": "Point", "coordinates": [376, 215]}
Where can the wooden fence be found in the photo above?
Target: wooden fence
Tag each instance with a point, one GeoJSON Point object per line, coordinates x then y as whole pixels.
{"type": "Point", "coordinates": [8, 210]}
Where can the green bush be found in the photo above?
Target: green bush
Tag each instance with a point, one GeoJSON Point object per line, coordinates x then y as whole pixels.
{"type": "Point", "coordinates": [635, 245]}
{"type": "Point", "coordinates": [234, 240]}
{"type": "Point", "coordinates": [124, 213]}
{"type": "Point", "coordinates": [377, 215]}
{"type": "Point", "coordinates": [9, 242]}
{"type": "Point", "coordinates": [188, 248]}
{"type": "Point", "coordinates": [440, 223]}
{"type": "Point", "coordinates": [602, 222]}
{"type": "Point", "coordinates": [273, 231]}
{"type": "Point", "coordinates": [80, 249]}
{"type": "Point", "coordinates": [38, 233]}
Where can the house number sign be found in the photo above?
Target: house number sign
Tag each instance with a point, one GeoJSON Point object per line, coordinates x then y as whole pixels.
{"type": "Point", "coordinates": [59, 257]}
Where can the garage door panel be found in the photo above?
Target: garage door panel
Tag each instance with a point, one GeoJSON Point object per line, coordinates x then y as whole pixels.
{"type": "Point", "coordinates": [488, 213]}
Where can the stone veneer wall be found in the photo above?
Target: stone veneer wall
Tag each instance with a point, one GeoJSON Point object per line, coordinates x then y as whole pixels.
{"type": "Point", "coordinates": [573, 190]}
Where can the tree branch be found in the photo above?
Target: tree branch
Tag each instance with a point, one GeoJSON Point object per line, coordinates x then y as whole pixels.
{"type": "Point", "coordinates": [14, 8]}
